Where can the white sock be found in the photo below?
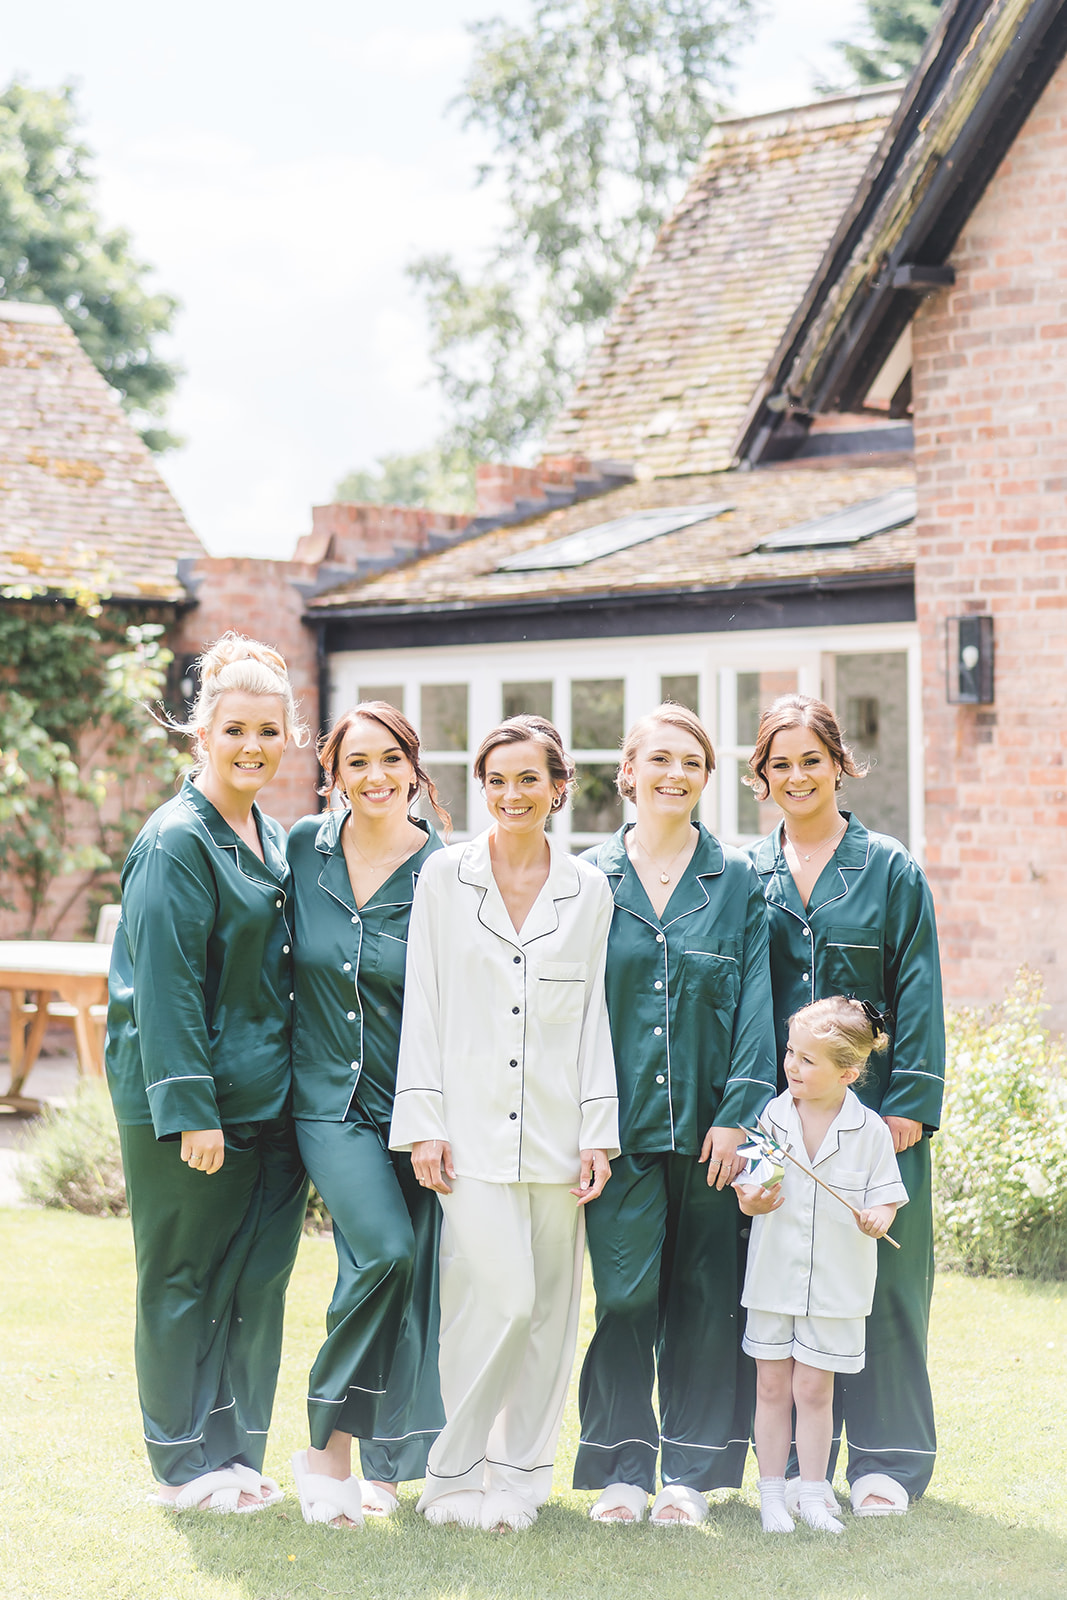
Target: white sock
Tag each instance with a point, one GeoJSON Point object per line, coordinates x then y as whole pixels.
{"type": "Point", "coordinates": [813, 1507]}
{"type": "Point", "coordinates": [773, 1515]}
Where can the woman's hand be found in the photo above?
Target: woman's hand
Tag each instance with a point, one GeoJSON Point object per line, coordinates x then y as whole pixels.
{"type": "Point", "coordinates": [905, 1132]}
{"type": "Point", "coordinates": [757, 1202]}
{"type": "Point", "coordinates": [204, 1151]}
{"type": "Point", "coordinates": [876, 1221]}
{"type": "Point", "coordinates": [596, 1170]}
{"type": "Point", "coordinates": [719, 1150]}
{"type": "Point", "coordinates": [432, 1161]}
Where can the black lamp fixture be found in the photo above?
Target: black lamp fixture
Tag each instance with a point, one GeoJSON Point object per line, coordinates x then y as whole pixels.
{"type": "Point", "coordinates": [969, 661]}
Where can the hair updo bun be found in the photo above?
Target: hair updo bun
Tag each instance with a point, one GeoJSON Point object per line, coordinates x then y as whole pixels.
{"type": "Point", "coordinates": [236, 664]}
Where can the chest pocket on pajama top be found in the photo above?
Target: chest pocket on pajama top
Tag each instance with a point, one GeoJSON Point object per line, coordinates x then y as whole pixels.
{"type": "Point", "coordinates": [711, 972]}
{"type": "Point", "coordinates": [561, 990]}
{"type": "Point", "coordinates": [853, 962]}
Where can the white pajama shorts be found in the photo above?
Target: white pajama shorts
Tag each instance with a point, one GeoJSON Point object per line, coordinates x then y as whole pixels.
{"type": "Point", "coordinates": [834, 1344]}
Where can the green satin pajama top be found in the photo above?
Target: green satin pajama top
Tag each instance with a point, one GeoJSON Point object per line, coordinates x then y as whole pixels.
{"type": "Point", "coordinates": [868, 931]}
{"type": "Point", "coordinates": [200, 987]}
{"type": "Point", "coordinates": [689, 999]}
{"type": "Point", "coordinates": [349, 975]}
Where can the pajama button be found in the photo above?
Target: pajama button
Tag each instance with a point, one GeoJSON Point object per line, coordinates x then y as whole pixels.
{"type": "Point", "coordinates": [513, 1063]}
{"type": "Point", "coordinates": [660, 1078]}
{"type": "Point", "coordinates": [514, 1011]}
{"type": "Point", "coordinates": [512, 1116]}
{"type": "Point", "coordinates": [351, 1016]}
{"type": "Point", "coordinates": [807, 933]}
{"type": "Point", "coordinates": [803, 977]}
{"type": "Point", "coordinates": [278, 904]}
{"type": "Point", "coordinates": [292, 996]}
{"type": "Point", "coordinates": [355, 919]}
{"type": "Point", "coordinates": [517, 960]}
{"type": "Point", "coordinates": [285, 949]}
{"type": "Point", "coordinates": [657, 1031]}
{"type": "Point", "coordinates": [347, 967]}
{"type": "Point", "coordinates": [659, 985]}
{"type": "Point", "coordinates": [659, 938]}
{"type": "Point", "coordinates": [355, 1066]}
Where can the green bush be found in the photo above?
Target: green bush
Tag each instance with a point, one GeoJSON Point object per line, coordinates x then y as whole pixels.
{"type": "Point", "coordinates": [72, 1159]}
{"type": "Point", "coordinates": [1000, 1160]}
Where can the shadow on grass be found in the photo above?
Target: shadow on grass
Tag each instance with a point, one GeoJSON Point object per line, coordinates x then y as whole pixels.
{"type": "Point", "coordinates": [938, 1549]}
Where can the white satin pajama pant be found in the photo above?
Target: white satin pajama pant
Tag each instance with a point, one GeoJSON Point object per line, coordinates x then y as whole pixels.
{"type": "Point", "coordinates": [511, 1277]}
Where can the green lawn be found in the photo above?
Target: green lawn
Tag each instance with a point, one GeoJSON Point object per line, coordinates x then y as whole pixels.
{"type": "Point", "coordinates": [74, 1526]}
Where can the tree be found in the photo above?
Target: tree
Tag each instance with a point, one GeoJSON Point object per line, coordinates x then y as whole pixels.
{"type": "Point", "coordinates": [900, 29]}
{"type": "Point", "coordinates": [439, 478]}
{"type": "Point", "coordinates": [596, 111]}
{"type": "Point", "coordinates": [81, 759]}
{"type": "Point", "coordinates": [55, 249]}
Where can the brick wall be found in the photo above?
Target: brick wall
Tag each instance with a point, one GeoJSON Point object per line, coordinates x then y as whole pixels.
{"type": "Point", "coordinates": [260, 598]}
{"type": "Point", "coordinates": [990, 380]}
{"type": "Point", "coordinates": [347, 532]}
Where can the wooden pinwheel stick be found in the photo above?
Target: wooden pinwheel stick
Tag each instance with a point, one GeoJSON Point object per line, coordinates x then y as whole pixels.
{"type": "Point", "coordinates": [760, 1136]}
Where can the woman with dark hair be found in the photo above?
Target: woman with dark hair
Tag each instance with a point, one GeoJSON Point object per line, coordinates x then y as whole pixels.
{"type": "Point", "coordinates": [506, 1100]}
{"type": "Point", "coordinates": [688, 991]}
{"type": "Point", "coordinates": [198, 1068]}
{"type": "Point", "coordinates": [354, 874]}
{"type": "Point", "coordinates": [851, 913]}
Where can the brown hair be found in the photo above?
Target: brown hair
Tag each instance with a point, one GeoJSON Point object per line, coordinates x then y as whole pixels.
{"type": "Point", "coordinates": [799, 711]}
{"type": "Point", "coordinates": [399, 728]}
{"type": "Point", "coordinates": [538, 730]}
{"type": "Point", "coordinates": [235, 663]}
{"type": "Point", "coordinates": [668, 715]}
{"type": "Point", "coordinates": [845, 1030]}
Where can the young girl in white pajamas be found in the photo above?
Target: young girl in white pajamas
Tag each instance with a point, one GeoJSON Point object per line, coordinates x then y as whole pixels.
{"type": "Point", "coordinates": [812, 1265]}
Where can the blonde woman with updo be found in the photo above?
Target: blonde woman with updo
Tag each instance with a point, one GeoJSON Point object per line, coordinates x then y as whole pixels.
{"type": "Point", "coordinates": [198, 1067]}
{"type": "Point", "coordinates": [851, 912]}
{"type": "Point", "coordinates": [688, 992]}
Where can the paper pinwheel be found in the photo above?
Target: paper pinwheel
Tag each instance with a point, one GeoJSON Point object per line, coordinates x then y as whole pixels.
{"type": "Point", "coordinates": [770, 1157]}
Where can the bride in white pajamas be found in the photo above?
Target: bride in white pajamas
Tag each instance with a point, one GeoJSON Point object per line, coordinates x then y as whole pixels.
{"type": "Point", "coordinates": [506, 1099]}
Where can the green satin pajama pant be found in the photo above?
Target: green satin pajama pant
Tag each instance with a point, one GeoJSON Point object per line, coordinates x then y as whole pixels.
{"type": "Point", "coordinates": [376, 1374]}
{"type": "Point", "coordinates": [668, 1260]}
{"type": "Point", "coordinates": [214, 1255]}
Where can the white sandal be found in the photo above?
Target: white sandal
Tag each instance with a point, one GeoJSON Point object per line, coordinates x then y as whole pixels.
{"type": "Point", "coordinates": [324, 1499]}
{"type": "Point", "coordinates": [506, 1508]}
{"type": "Point", "coordinates": [377, 1502]}
{"type": "Point", "coordinates": [222, 1490]}
{"type": "Point", "coordinates": [680, 1497]}
{"type": "Point", "coordinates": [620, 1497]}
{"type": "Point", "coordinates": [888, 1488]}
{"type": "Point", "coordinates": [463, 1506]}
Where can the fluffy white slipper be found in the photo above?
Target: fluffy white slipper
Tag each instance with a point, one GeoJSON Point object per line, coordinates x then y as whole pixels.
{"type": "Point", "coordinates": [463, 1506]}
{"type": "Point", "coordinates": [620, 1496]}
{"type": "Point", "coordinates": [323, 1499]}
{"type": "Point", "coordinates": [377, 1502]}
{"type": "Point", "coordinates": [504, 1508]}
{"type": "Point", "coordinates": [690, 1502]}
{"type": "Point", "coordinates": [253, 1482]}
{"type": "Point", "coordinates": [792, 1496]}
{"type": "Point", "coordinates": [888, 1488]}
{"type": "Point", "coordinates": [221, 1490]}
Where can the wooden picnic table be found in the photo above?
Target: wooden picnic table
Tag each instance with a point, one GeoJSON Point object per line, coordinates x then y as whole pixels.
{"type": "Point", "coordinates": [37, 969]}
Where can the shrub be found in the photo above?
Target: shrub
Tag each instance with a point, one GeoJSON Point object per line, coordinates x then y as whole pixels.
{"type": "Point", "coordinates": [1000, 1173]}
{"type": "Point", "coordinates": [72, 1160]}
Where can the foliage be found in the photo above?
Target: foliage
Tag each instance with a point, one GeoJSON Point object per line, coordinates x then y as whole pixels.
{"type": "Point", "coordinates": [440, 478]}
{"type": "Point", "coordinates": [1000, 1182]}
{"type": "Point", "coordinates": [71, 1160]}
{"type": "Point", "coordinates": [81, 759]}
{"type": "Point", "coordinates": [54, 248]}
{"type": "Point", "coordinates": [900, 29]}
{"type": "Point", "coordinates": [596, 110]}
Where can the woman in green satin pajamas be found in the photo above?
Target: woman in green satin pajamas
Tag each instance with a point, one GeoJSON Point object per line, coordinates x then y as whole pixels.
{"type": "Point", "coordinates": [198, 1067]}
{"type": "Point", "coordinates": [354, 874]}
{"type": "Point", "coordinates": [688, 992]}
{"type": "Point", "coordinates": [851, 913]}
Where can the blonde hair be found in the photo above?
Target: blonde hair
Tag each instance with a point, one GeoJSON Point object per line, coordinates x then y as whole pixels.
{"type": "Point", "coordinates": [667, 715]}
{"type": "Point", "coordinates": [845, 1030]}
{"type": "Point", "coordinates": [235, 663]}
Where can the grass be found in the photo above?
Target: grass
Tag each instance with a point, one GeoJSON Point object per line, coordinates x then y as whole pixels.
{"type": "Point", "coordinates": [74, 1526]}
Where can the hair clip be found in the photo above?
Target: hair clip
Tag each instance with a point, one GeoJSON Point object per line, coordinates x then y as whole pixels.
{"type": "Point", "coordinates": [879, 1020]}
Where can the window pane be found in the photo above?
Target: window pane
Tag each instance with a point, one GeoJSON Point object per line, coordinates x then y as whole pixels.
{"type": "Point", "coordinates": [748, 807]}
{"type": "Point", "coordinates": [748, 708]}
{"type": "Point", "coordinates": [391, 693]}
{"type": "Point", "coordinates": [532, 697]}
{"type": "Point", "coordinates": [682, 691]}
{"type": "Point", "coordinates": [596, 806]}
{"type": "Point", "coordinates": [872, 694]}
{"type": "Point", "coordinates": [597, 713]}
{"type": "Point", "coordinates": [450, 779]}
{"type": "Point", "coordinates": [444, 716]}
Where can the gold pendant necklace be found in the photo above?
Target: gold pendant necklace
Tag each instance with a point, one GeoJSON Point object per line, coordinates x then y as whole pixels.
{"type": "Point", "coordinates": [819, 848]}
{"type": "Point", "coordinates": [664, 874]}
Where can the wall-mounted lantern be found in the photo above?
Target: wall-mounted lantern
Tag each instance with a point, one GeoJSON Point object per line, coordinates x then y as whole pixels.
{"type": "Point", "coordinates": [969, 661]}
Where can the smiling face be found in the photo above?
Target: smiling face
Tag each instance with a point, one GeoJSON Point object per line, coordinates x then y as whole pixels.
{"type": "Point", "coordinates": [244, 744]}
{"type": "Point", "coordinates": [810, 1070]}
{"type": "Point", "coordinates": [802, 775]}
{"type": "Point", "coordinates": [373, 772]}
{"type": "Point", "coordinates": [518, 789]}
{"type": "Point", "coordinates": [668, 773]}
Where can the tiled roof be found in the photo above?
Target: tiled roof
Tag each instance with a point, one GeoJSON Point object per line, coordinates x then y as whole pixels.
{"type": "Point", "coordinates": [669, 386]}
{"type": "Point", "coordinates": [722, 552]}
{"type": "Point", "coordinates": [81, 499]}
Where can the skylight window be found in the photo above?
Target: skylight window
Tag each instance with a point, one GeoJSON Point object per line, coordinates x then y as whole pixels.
{"type": "Point", "coordinates": [608, 537]}
{"type": "Point", "coordinates": [863, 521]}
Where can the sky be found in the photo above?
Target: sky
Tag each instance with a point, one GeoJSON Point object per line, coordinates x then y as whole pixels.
{"type": "Point", "coordinates": [278, 167]}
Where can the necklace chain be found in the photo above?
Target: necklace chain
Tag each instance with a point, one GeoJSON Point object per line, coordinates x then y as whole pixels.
{"type": "Point", "coordinates": [819, 848]}
{"type": "Point", "coordinates": [376, 866]}
{"type": "Point", "coordinates": [664, 872]}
